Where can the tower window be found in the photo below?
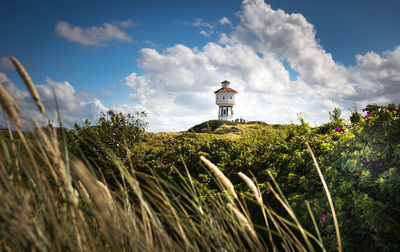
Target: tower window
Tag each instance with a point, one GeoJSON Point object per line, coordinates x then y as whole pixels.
{"type": "Point", "coordinates": [223, 97]}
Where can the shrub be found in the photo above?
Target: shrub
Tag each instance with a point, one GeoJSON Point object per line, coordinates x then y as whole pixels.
{"type": "Point", "coordinates": [115, 135]}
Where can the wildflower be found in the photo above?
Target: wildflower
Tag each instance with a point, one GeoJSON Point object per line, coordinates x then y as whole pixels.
{"type": "Point", "coordinates": [344, 132]}
{"type": "Point", "coordinates": [323, 217]}
{"type": "Point", "coordinates": [337, 129]}
{"type": "Point", "coordinates": [165, 162]}
{"type": "Point", "coordinates": [367, 115]}
{"type": "Point", "coordinates": [393, 110]}
{"type": "Point", "coordinates": [139, 164]}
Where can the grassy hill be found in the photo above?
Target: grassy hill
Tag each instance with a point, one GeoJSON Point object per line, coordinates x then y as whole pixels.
{"type": "Point", "coordinates": [208, 129]}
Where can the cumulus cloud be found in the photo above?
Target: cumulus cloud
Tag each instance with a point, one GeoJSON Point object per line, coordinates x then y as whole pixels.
{"type": "Point", "coordinates": [74, 107]}
{"type": "Point", "coordinates": [5, 64]}
{"type": "Point", "coordinates": [375, 78]}
{"type": "Point", "coordinates": [289, 36]}
{"type": "Point", "coordinates": [95, 35]}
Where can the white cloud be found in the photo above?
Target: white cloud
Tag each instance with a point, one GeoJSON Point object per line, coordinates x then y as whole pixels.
{"type": "Point", "coordinates": [127, 23]}
{"type": "Point", "coordinates": [204, 33]}
{"type": "Point", "coordinates": [177, 86]}
{"type": "Point", "coordinates": [224, 21]}
{"type": "Point", "coordinates": [150, 43]}
{"type": "Point", "coordinates": [95, 35]}
{"type": "Point", "coordinates": [5, 64]}
{"type": "Point", "coordinates": [289, 36]}
{"type": "Point", "coordinates": [73, 106]}
{"type": "Point", "coordinates": [375, 78]}
{"type": "Point", "coordinates": [200, 23]}
{"type": "Point", "coordinates": [205, 28]}
{"type": "Point", "coordinates": [378, 76]}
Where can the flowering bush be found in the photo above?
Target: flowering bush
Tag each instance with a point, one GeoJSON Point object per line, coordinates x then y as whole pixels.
{"type": "Point", "coordinates": [364, 176]}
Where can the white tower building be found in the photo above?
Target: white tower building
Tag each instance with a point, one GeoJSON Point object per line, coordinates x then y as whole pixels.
{"type": "Point", "coordinates": [225, 99]}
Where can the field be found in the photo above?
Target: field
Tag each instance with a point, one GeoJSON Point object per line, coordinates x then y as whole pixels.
{"type": "Point", "coordinates": [111, 186]}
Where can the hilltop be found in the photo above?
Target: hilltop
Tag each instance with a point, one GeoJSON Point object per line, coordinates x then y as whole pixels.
{"type": "Point", "coordinates": [207, 129]}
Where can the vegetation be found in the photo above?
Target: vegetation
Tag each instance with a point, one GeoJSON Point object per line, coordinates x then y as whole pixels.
{"type": "Point", "coordinates": [234, 187]}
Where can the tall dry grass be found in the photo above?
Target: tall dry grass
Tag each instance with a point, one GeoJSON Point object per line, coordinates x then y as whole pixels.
{"type": "Point", "coordinates": [51, 201]}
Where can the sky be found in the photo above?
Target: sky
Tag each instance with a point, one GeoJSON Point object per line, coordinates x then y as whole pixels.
{"type": "Point", "coordinates": [167, 57]}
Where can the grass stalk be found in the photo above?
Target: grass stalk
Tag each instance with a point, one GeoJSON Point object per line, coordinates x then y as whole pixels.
{"type": "Point", "coordinates": [282, 199]}
{"type": "Point", "coordinates": [29, 83]}
{"type": "Point", "coordinates": [328, 195]}
{"type": "Point", "coordinates": [220, 176]}
{"type": "Point", "coordinates": [315, 224]}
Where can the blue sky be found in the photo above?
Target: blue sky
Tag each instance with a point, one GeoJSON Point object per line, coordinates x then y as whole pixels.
{"type": "Point", "coordinates": [166, 57]}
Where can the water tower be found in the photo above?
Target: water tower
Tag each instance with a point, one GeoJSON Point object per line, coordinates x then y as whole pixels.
{"type": "Point", "coordinates": [225, 99]}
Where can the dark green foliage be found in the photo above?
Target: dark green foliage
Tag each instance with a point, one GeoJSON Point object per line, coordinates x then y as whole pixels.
{"type": "Point", "coordinates": [363, 170]}
{"type": "Point", "coordinates": [114, 135]}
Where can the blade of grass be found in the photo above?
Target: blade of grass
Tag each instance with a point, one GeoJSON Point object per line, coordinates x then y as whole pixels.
{"type": "Point", "coordinates": [328, 195]}
{"type": "Point", "coordinates": [315, 224]}
{"type": "Point", "coordinates": [287, 207]}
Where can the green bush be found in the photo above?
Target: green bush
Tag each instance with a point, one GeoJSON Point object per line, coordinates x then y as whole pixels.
{"type": "Point", "coordinates": [363, 171]}
{"type": "Point", "coordinates": [114, 136]}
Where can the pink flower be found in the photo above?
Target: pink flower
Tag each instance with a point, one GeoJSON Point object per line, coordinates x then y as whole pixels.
{"type": "Point", "coordinates": [139, 164]}
{"type": "Point", "coordinates": [323, 217]}
{"type": "Point", "coordinates": [337, 129]}
{"type": "Point", "coordinates": [165, 162]}
{"type": "Point", "coordinates": [367, 115]}
{"type": "Point", "coordinates": [344, 132]}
